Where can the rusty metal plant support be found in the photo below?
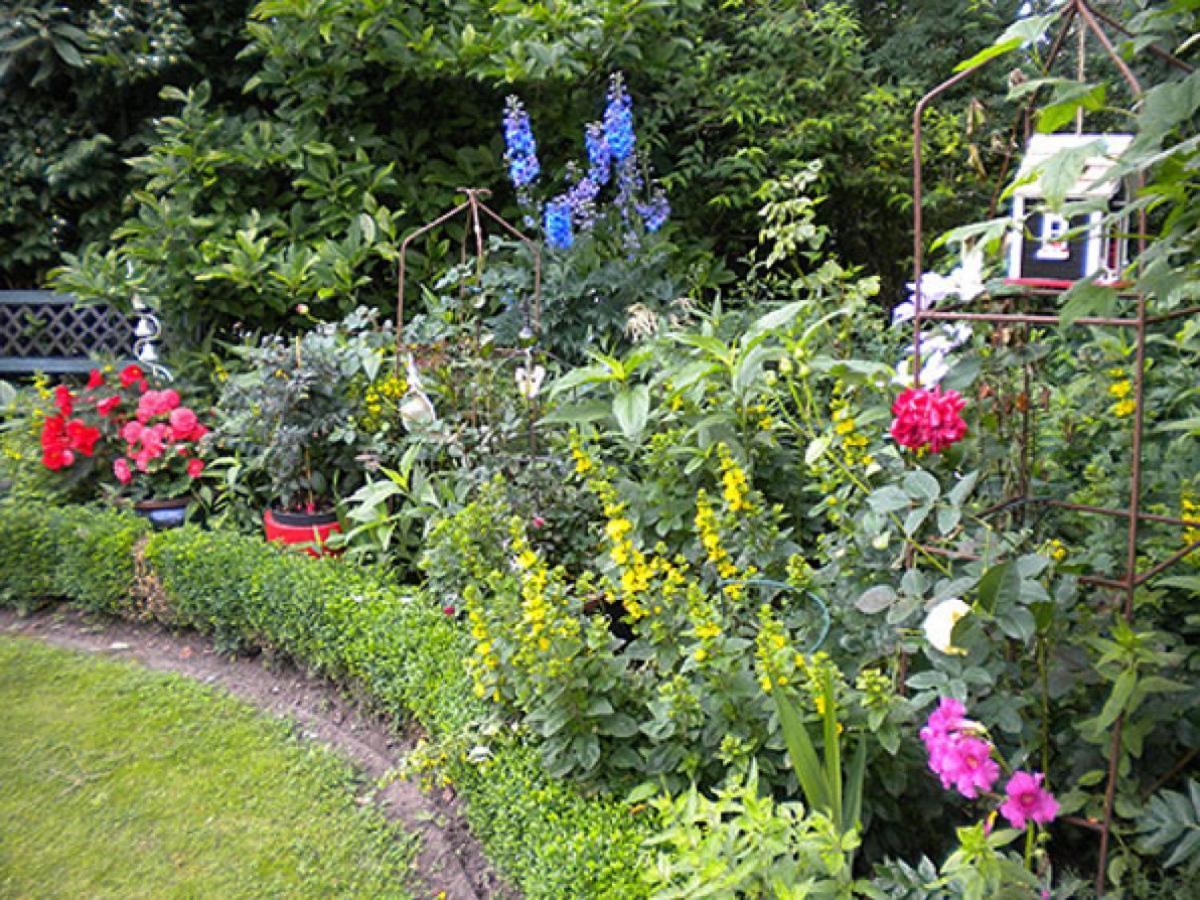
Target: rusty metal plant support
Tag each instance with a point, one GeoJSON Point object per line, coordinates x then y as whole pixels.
{"type": "Point", "coordinates": [472, 207]}
{"type": "Point", "coordinates": [531, 312]}
{"type": "Point", "coordinates": [1088, 20]}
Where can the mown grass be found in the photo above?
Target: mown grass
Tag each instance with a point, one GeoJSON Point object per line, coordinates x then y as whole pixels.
{"type": "Point", "coordinates": [119, 782]}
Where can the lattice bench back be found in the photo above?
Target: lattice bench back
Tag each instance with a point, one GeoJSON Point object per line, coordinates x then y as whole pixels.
{"type": "Point", "coordinates": [41, 331]}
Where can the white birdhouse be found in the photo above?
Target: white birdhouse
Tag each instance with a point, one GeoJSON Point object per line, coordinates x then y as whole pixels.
{"type": "Point", "coordinates": [1048, 250]}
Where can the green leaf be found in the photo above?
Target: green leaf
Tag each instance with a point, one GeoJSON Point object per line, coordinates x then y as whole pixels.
{"type": "Point", "coordinates": [1115, 705]}
{"type": "Point", "coordinates": [875, 600]}
{"type": "Point", "coordinates": [1085, 299]}
{"type": "Point", "coordinates": [922, 486]}
{"type": "Point", "coordinates": [1064, 169]}
{"type": "Point", "coordinates": [961, 491]}
{"type": "Point", "coordinates": [1055, 115]}
{"type": "Point", "coordinates": [816, 449]}
{"type": "Point", "coordinates": [578, 413]}
{"type": "Point", "coordinates": [802, 754]}
{"type": "Point", "coordinates": [631, 407]}
{"type": "Point", "coordinates": [999, 584]}
{"type": "Point", "coordinates": [777, 318]}
{"type": "Point", "coordinates": [1022, 32]}
{"type": "Point", "coordinates": [888, 498]}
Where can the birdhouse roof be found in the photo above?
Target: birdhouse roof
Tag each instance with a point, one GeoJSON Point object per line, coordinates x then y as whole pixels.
{"type": "Point", "coordinates": [1091, 183]}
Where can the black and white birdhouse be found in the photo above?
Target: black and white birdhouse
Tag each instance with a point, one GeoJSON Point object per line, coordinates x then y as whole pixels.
{"type": "Point", "coordinates": [1048, 250]}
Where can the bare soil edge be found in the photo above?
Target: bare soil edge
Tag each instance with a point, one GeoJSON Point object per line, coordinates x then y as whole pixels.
{"type": "Point", "coordinates": [450, 862]}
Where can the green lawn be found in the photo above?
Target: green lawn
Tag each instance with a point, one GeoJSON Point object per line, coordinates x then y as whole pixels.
{"type": "Point", "coordinates": [119, 782]}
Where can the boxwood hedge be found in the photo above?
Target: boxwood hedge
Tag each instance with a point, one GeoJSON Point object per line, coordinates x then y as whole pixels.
{"type": "Point", "coordinates": [393, 646]}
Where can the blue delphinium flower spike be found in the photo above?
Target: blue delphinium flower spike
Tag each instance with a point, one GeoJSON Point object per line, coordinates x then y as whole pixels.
{"type": "Point", "coordinates": [558, 223]}
{"type": "Point", "coordinates": [599, 156]}
{"type": "Point", "coordinates": [521, 153]}
{"type": "Point", "coordinates": [654, 213]}
{"type": "Point", "coordinates": [618, 120]}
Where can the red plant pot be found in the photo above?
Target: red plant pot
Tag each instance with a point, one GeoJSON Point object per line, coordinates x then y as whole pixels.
{"type": "Point", "coordinates": [305, 530]}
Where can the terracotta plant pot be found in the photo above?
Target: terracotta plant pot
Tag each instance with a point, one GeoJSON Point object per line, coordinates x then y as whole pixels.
{"type": "Point", "coordinates": [163, 514]}
{"type": "Point", "coordinates": [304, 530]}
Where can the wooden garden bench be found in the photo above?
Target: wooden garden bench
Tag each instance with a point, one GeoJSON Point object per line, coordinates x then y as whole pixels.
{"type": "Point", "coordinates": [41, 331]}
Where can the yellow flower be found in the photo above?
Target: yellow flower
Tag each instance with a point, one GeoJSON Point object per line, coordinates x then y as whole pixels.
{"type": "Point", "coordinates": [701, 655]}
{"type": "Point", "coordinates": [1121, 389]}
{"type": "Point", "coordinates": [845, 426]}
{"type": "Point", "coordinates": [1124, 408]}
{"type": "Point", "coordinates": [707, 631]}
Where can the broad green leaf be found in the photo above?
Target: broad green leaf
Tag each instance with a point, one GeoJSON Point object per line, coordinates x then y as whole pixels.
{"type": "Point", "coordinates": [1085, 299]}
{"type": "Point", "coordinates": [922, 486]}
{"type": "Point", "coordinates": [777, 318]}
{"type": "Point", "coordinates": [816, 449]}
{"type": "Point", "coordinates": [630, 408]}
{"type": "Point", "coordinates": [1000, 583]}
{"type": "Point", "coordinates": [1022, 32]}
{"type": "Point", "coordinates": [1064, 169]}
{"type": "Point", "coordinates": [1115, 705]}
{"type": "Point", "coordinates": [875, 600]}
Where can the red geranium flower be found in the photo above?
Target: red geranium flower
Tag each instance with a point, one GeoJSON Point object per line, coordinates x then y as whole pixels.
{"type": "Point", "coordinates": [130, 374]}
{"type": "Point", "coordinates": [95, 379]}
{"type": "Point", "coordinates": [63, 399]}
{"type": "Point", "coordinates": [105, 407]}
{"type": "Point", "coordinates": [82, 436]}
{"type": "Point", "coordinates": [195, 467]}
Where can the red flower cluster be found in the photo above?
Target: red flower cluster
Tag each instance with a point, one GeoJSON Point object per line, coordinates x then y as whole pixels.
{"type": "Point", "coordinates": [64, 436]}
{"type": "Point", "coordinates": [158, 429]}
{"type": "Point", "coordinates": [928, 418]}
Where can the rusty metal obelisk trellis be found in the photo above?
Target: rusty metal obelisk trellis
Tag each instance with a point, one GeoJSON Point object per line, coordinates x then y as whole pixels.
{"type": "Point", "coordinates": [471, 208]}
{"type": "Point", "coordinates": [476, 212]}
{"type": "Point", "coordinates": [1087, 22]}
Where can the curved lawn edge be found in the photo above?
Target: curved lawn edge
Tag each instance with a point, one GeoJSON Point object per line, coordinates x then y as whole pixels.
{"type": "Point", "coordinates": [124, 781]}
{"type": "Point", "coordinates": [449, 861]}
{"type": "Point", "coordinates": [394, 648]}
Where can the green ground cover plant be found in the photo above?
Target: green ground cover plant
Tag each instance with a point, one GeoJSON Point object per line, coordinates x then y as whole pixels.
{"type": "Point", "coordinates": [126, 783]}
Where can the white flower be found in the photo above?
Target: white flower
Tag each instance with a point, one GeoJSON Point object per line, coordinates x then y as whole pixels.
{"type": "Point", "coordinates": [940, 622]}
{"type": "Point", "coordinates": [479, 754]}
{"type": "Point", "coordinates": [417, 410]}
{"type": "Point", "coordinates": [529, 381]}
{"type": "Point", "coordinates": [933, 369]}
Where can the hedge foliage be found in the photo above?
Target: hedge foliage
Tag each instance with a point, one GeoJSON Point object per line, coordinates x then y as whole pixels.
{"type": "Point", "coordinates": [396, 648]}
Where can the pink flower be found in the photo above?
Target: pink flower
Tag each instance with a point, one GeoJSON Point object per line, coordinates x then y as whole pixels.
{"type": "Point", "coordinates": [184, 423]}
{"type": "Point", "coordinates": [195, 467]}
{"type": "Point", "coordinates": [538, 522]}
{"type": "Point", "coordinates": [1028, 800]}
{"type": "Point", "coordinates": [969, 765]}
{"type": "Point", "coordinates": [121, 470]}
{"type": "Point", "coordinates": [449, 610]}
{"type": "Point", "coordinates": [946, 718]}
{"type": "Point", "coordinates": [131, 432]}
{"type": "Point", "coordinates": [928, 418]}
{"type": "Point", "coordinates": [105, 407]}
{"type": "Point", "coordinates": [156, 403]}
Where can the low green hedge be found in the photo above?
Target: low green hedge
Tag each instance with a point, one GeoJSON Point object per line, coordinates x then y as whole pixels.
{"type": "Point", "coordinates": [400, 651]}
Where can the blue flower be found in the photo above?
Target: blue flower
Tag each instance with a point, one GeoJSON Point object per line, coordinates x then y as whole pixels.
{"type": "Point", "coordinates": [558, 223]}
{"type": "Point", "coordinates": [599, 156]}
{"type": "Point", "coordinates": [521, 153]}
{"type": "Point", "coordinates": [654, 213]}
{"type": "Point", "coordinates": [618, 120]}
